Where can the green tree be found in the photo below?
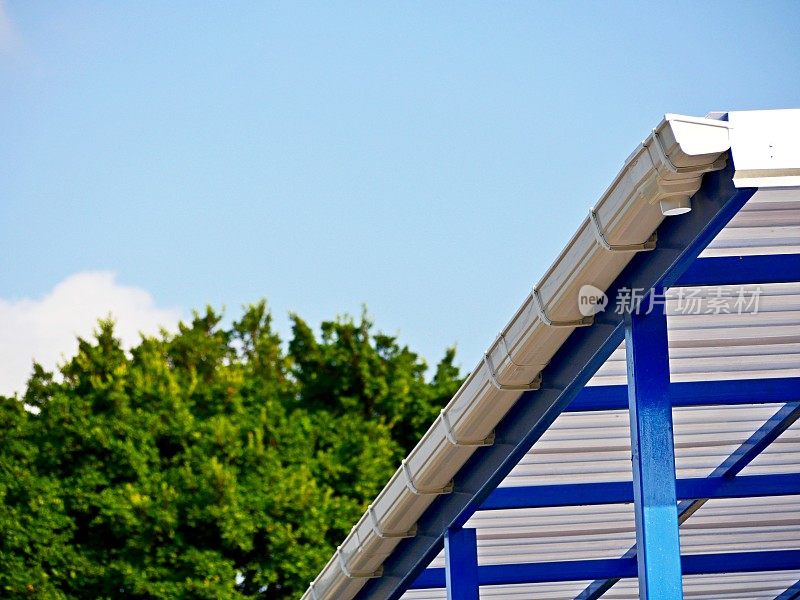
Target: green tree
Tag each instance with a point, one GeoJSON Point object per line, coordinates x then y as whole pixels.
{"type": "Point", "coordinates": [215, 462]}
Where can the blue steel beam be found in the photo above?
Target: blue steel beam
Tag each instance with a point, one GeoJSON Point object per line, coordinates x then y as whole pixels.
{"type": "Point", "coordinates": [680, 241]}
{"type": "Point", "coordinates": [759, 441]}
{"type": "Point", "coordinates": [742, 270]}
{"type": "Point", "coordinates": [696, 393]}
{"type": "Point", "coordinates": [461, 560]}
{"type": "Point", "coordinates": [617, 492]}
{"type": "Point", "coordinates": [653, 454]}
{"type": "Point", "coordinates": [621, 492]}
{"type": "Point", "coordinates": [793, 593]}
{"type": "Point", "coordinates": [620, 568]}
{"type": "Point", "coordinates": [730, 467]}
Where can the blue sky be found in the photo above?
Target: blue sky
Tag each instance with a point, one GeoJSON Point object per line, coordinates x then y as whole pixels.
{"type": "Point", "coordinates": [428, 160]}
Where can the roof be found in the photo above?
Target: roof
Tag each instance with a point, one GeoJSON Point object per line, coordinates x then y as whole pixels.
{"type": "Point", "coordinates": [542, 367]}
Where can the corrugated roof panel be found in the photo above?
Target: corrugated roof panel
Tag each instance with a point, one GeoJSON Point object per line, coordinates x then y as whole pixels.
{"type": "Point", "coordinates": [733, 586]}
{"type": "Point", "coordinates": [768, 224]}
{"type": "Point", "coordinates": [782, 456]}
{"type": "Point", "coordinates": [595, 446]}
{"type": "Point", "coordinates": [742, 524]}
{"type": "Point", "coordinates": [705, 347]}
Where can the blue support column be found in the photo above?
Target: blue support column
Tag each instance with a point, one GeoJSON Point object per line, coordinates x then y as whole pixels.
{"type": "Point", "coordinates": [461, 564]}
{"type": "Point", "coordinates": [653, 454]}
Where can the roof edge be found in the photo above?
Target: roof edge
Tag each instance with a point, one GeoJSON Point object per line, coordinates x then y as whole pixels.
{"type": "Point", "coordinates": [765, 144]}
{"type": "Point", "coordinates": [665, 169]}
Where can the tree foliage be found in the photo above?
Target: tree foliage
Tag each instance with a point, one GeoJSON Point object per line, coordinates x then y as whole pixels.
{"type": "Point", "coordinates": [215, 462]}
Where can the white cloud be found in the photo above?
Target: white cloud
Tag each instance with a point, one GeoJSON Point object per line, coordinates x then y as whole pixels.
{"type": "Point", "coordinates": [8, 35]}
{"type": "Point", "coordinates": [45, 329]}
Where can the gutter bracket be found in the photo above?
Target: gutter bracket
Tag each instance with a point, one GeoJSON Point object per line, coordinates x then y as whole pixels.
{"type": "Point", "coordinates": [356, 574]}
{"type": "Point", "coordinates": [538, 305]}
{"type": "Point", "coordinates": [417, 491]}
{"type": "Point", "coordinates": [600, 236]}
{"type": "Point", "coordinates": [533, 385]}
{"type": "Point", "coordinates": [376, 529]}
{"type": "Point", "coordinates": [671, 166]}
{"type": "Point", "coordinates": [448, 432]}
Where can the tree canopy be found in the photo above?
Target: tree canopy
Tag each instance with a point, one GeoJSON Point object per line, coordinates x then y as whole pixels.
{"type": "Point", "coordinates": [214, 462]}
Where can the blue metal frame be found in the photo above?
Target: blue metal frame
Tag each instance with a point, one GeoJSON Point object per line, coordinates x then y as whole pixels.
{"type": "Point", "coordinates": [742, 270]}
{"type": "Point", "coordinates": [758, 442]}
{"type": "Point", "coordinates": [680, 242]}
{"type": "Point", "coordinates": [461, 560]}
{"type": "Point", "coordinates": [621, 492]}
{"type": "Point", "coordinates": [696, 393]}
{"type": "Point", "coordinates": [619, 568]}
{"type": "Point", "coordinates": [653, 454]}
{"type": "Point", "coordinates": [793, 593]}
{"type": "Point", "coordinates": [730, 467]}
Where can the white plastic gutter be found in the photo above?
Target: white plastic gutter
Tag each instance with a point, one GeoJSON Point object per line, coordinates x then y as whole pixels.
{"type": "Point", "coordinates": [658, 178]}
